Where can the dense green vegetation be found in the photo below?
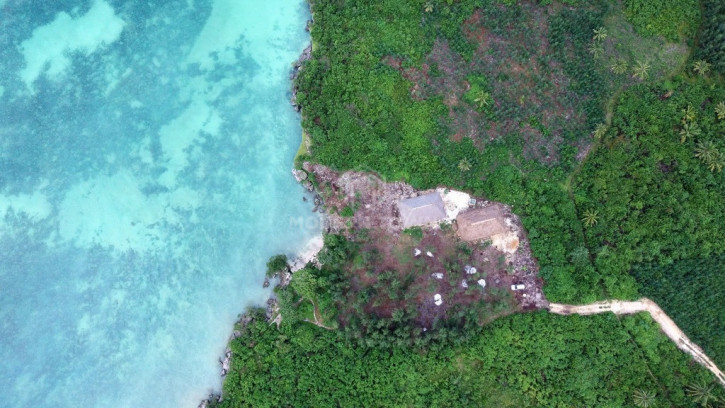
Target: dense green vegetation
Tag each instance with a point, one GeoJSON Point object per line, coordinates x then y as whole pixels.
{"type": "Point", "coordinates": [527, 360]}
{"type": "Point", "coordinates": [656, 181]}
{"type": "Point", "coordinates": [671, 19]}
{"type": "Point", "coordinates": [691, 292]}
{"type": "Point", "coordinates": [711, 45]}
{"type": "Point", "coordinates": [276, 264]}
{"type": "Point", "coordinates": [583, 118]}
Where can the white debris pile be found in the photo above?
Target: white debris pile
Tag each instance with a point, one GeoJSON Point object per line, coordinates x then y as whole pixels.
{"type": "Point", "coordinates": [454, 202]}
{"type": "Point", "coordinates": [437, 299]}
{"type": "Point", "coordinates": [464, 283]}
{"type": "Point", "coordinates": [437, 275]}
{"type": "Point", "coordinates": [429, 253]}
{"type": "Point", "coordinates": [470, 270]}
{"type": "Point", "coordinates": [416, 252]}
{"type": "Point", "coordinates": [482, 282]}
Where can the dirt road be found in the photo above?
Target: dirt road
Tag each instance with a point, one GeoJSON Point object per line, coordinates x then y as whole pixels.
{"type": "Point", "coordinates": [668, 326]}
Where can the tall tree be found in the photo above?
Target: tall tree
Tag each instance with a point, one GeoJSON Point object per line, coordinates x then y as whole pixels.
{"type": "Point", "coordinates": [706, 151]}
{"type": "Point", "coordinates": [590, 217]}
{"type": "Point", "coordinates": [641, 70]}
{"type": "Point", "coordinates": [702, 67]}
{"type": "Point", "coordinates": [717, 163]}
{"type": "Point", "coordinates": [643, 398]}
{"type": "Point", "coordinates": [688, 131]}
{"type": "Point", "coordinates": [600, 130]}
{"type": "Point", "coordinates": [600, 34]}
{"type": "Point", "coordinates": [304, 283]}
{"type": "Point", "coordinates": [464, 165]}
{"type": "Point", "coordinates": [720, 110]}
{"type": "Point", "coordinates": [701, 394]}
{"type": "Point", "coordinates": [482, 99]}
{"type": "Point", "coordinates": [619, 66]}
{"type": "Point", "coordinates": [688, 114]}
{"type": "Point", "coordinates": [596, 49]}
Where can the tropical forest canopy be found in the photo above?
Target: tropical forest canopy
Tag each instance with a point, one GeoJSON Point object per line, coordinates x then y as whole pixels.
{"type": "Point", "coordinates": [602, 124]}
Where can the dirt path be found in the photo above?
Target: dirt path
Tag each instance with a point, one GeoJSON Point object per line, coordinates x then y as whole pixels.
{"type": "Point", "coordinates": [668, 326]}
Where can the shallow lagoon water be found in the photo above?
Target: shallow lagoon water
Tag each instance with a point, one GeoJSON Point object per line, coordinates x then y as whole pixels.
{"type": "Point", "coordinates": [145, 155]}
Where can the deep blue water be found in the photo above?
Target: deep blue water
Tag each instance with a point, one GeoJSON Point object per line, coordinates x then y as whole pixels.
{"type": "Point", "coordinates": [145, 155]}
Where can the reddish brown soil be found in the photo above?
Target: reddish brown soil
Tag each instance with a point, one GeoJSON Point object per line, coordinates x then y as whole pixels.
{"type": "Point", "coordinates": [522, 79]}
{"type": "Point", "coordinates": [386, 250]}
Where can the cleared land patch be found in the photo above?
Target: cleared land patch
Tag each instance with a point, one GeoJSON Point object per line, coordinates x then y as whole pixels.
{"type": "Point", "coordinates": [424, 277]}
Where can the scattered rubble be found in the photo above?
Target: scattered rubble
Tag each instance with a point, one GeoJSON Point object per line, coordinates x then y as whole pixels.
{"type": "Point", "coordinates": [361, 204]}
{"type": "Point", "coordinates": [454, 202]}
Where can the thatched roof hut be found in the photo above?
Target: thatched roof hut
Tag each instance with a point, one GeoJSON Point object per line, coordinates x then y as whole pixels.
{"type": "Point", "coordinates": [422, 210]}
{"type": "Point", "coordinates": [481, 223]}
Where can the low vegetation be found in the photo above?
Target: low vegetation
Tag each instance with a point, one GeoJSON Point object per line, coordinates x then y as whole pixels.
{"type": "Point", "coordinates": [672, 19]}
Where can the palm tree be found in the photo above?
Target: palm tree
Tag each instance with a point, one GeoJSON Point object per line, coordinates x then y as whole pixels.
{"type": "Point", "coordinates": [701, 67]}
{"type": "Point", "coordinates": [641, 71]}
{"type": "Point", "coordinates": [689, 130]}
{"type": "Point", "coordinates": [482, 99]}
{"type": "Point", "coordinates": [596, 49]}
{"type": "Point", "coordinates": [428, 7]}
{"type": "Point", "coordinates": [701, 394]}
{"type": "Point", "coordinates": [619, 67]}
{"type": "Point", "coordinates": [688, 114]}
{"type": "Point", "coordinates": [706, 151]}
{"type": "Point", "coordinates": [464, 165]}
{"type": "Point", "coordinates": [600, 34]}
{"type": "Point", "coordinates": [600, 130]}
{"type": "Point", "coordinates": [720, 110]}
{"type": "Point", "coordinates": [717, 163]}
{"type": "Point", "coordinates": [590, 217]}
{"type": "Point", "coordinates": [643, 398]}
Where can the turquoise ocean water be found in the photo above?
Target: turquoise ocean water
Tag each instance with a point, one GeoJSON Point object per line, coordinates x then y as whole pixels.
{"type": "Point", "coordinates": [145, 156]}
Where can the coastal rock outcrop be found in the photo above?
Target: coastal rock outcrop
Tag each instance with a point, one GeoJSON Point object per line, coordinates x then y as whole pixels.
{"type": "Point", "coordinates": [226, 362]}
{"type": "Point", "coordinates": [296, 69]}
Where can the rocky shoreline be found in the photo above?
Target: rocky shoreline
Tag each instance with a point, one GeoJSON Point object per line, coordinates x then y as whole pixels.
{"type": "Point", "coordinates": [297, 263]}
{"type": "Point", "coordinates": [296, 69]}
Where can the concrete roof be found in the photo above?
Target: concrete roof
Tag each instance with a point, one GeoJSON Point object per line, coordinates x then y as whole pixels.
{"type": "Point", "coordinates": [422, 210]}
{"type": "Point", "coordinates": [481, 223]}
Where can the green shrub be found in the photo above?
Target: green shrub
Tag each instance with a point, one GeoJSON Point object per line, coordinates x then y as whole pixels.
{"type": "Point", "coordinates": [672, 19]}
{"type": "Point", "coordinates": [347, 211]}
{"type": "Point", "coordinates": [276, 264]}
{"type": "Point", "coordinates": [415, 232]}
